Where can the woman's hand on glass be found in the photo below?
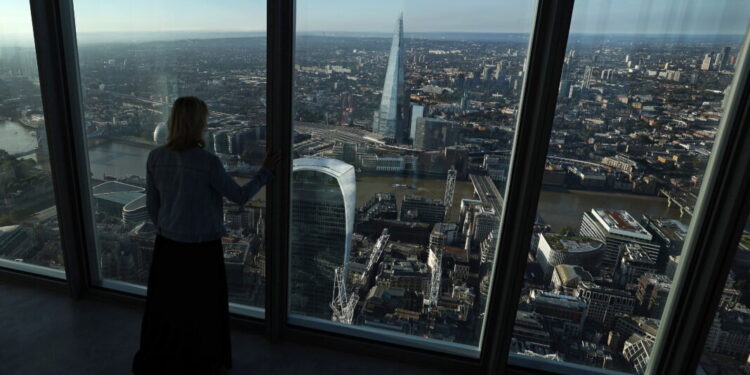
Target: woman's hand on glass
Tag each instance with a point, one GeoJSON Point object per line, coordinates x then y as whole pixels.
{"type": "Point", "coordinates": [272, 160]}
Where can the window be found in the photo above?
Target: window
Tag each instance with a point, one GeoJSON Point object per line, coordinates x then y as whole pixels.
{"type": "Point", "coordinates": [640, 98]}
{"type": "Point", "coordinates": [135, 59]}
{"type": "Point", "coordinates": [403, 129]}
{"type": "Point", "coordinates": [29, 233]}
{"type": "Point", "coordinates": [727, 346]}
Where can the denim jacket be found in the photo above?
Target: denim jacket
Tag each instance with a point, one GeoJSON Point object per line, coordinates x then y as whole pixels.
{"type": "Point", "coordinates": [185, 193]}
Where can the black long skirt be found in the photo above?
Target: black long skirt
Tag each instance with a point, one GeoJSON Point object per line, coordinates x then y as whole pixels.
{"type": "Point", "coordinates": [185, 327]}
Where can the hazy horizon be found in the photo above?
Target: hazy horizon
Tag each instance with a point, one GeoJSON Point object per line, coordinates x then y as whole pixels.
{"type": "Point", "coordinates": [122, 20]}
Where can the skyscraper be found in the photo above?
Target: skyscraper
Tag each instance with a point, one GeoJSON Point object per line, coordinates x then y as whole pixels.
{"type": "Point", "coordinates": [417, 111]}
{"type": "Point", "coordinates": [616, 227]}
{"type": "Point", "coordinates": [323, 208]}
{"type": "Point", "coordinates": [389, 121]}
{"type": "Point", "coordinates": [587, 77]}
{"type": "Point", "coordinates": [706, 64]}
{"type": "Point", "coordinates": [435, 134]}
{"type": "Point", "coordinates": [724, 64]}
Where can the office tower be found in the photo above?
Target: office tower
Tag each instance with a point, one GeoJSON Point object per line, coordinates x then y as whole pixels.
{"type": "Point", "coordinates": [414, 208]}
{"type": "Point", "coordinates": [634, 262]}
{"type": "Point", "coordinates": [435, 134]}
{"type": "Point", "coordinates": [417, 111]}
{"type": "Point", "coordinates": [564, 87]}
{"type": "Point", "coordinates": [389, 120]}
{"type": "Point", "coordinates": [637, 351]}
{"type": "Point", "coordinates": [605, 303]}
{"type": "Point", "coordinates": [724, 64]}
{"type": "Point", "coordinates": [556, 249]}
{"type": "Point", "coordinates": [651, 294]}
{"type": "Point", "coordinates": [706, 65]}
{"type": "Point", "coordinates": [464, 102]}
{"type": "Point", "coordinates": [670, 233]}
{"type": "Point", "coordinates": [498, 71]}
{"type": "Point", "coordinates": [564, 316]}
{"type": "Point", "coordinates": [587, 77]}
{"type": "Point", "coordinates": [323, 211]}
{"type": "Point", "coordinates": [615, 227]}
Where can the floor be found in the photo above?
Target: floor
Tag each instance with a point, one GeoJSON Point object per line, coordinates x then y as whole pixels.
{"type": "Point", "coordinates": [43, 331]}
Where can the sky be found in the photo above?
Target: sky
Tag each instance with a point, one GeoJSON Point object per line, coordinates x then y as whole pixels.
{"type": "Point", "coordinates": [492, 16]}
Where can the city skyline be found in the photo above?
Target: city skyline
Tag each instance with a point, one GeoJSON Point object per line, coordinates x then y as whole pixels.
{"type": "Point", "coordinates": [659, 17]}
{"type": "Point", "coordinates": [400, 235]}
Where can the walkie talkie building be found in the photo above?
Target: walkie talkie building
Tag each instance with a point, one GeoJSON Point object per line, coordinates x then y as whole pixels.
{"type": "Point", "coordinates": [323, 211]}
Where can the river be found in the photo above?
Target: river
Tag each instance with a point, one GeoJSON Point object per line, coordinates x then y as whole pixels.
{"type": "Point", "coordinates": [15, 138]}
{"type": "Point", "coordinates": [558, 208]}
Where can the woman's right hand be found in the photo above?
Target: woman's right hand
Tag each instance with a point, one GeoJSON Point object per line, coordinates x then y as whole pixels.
{"type": "Point", "coordinates": [272, 160]}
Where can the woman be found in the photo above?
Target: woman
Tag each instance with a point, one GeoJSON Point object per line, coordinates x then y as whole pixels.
{"type": "Point", "coordinates": [185, 327]}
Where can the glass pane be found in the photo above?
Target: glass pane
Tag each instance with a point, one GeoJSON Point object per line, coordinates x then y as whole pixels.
{"type": "Point", "coordinates": [404, 121]}
{"type": "Point", "coordinates": [641, 95]}
{"type": "Point", "coordinates": [29, 233]}
{"type": "Point", "coordinates": [727, 346]}
{"type": "Point", "coordinates": [136, 58]}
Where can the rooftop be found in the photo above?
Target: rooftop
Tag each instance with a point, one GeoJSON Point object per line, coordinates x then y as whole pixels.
{"type": "Point", "coordinates": [115, 187]}
{"type": "Point", "coordinates": [333, 167]}
{"type": "Point", "coordinates": [633, 252]}
{"type": "Point", "coordinates": [560, 300]}
{"type": "Point", "coordinates": [121, 197]}
{"type": "Point", "coordinates": [571, 244]}
{"type": "Point", "coordinates": [621, 222]}
{"type": "Point", "coordinates": [673, 229]}
{"type": "Point", "coordinates": [569, 272]}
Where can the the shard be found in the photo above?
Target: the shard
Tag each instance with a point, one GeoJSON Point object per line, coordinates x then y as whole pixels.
{"type": "Point", "coordinates": [390, 120]}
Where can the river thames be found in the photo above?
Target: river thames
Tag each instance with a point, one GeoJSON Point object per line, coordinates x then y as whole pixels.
{"type": "Point", "coordinates": [558, 208]}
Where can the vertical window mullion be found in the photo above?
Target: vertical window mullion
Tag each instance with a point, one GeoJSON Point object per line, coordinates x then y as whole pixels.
{"type": "Point", "coordinates": [280, 47]}
{"type": "Point", "coordinates": [709, 248]}
{"type": "Point", "coordinates": [533, 128]}
{"type": "Point", "coordinates": [54, 36]}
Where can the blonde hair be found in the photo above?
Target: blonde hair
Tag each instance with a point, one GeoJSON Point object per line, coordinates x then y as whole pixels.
{"type": "Point", "coordinates": [186, 123]}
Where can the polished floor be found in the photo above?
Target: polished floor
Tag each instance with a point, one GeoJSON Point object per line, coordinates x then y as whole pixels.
{"type": "Point", "coordinates": [43, 331]}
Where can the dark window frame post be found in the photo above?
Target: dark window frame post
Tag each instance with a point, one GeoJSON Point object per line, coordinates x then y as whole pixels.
{"type": "Point", "coordinates": [711, 243]}
{"type": "Point", "coordinates": [57, 60]}
{"type": "Point", "coordinates": [546, 54]}
{"type": "Point", "coordinates": [279, 86]}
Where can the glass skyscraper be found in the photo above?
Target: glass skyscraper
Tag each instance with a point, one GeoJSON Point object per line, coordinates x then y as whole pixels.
{"type": "Point", "coordinates": [390, 121]}
{"type": "Point", "coordinates": [323, 206]}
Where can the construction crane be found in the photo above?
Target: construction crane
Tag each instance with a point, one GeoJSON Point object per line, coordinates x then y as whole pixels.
{"type": "Point", "coordinates": [377, 250]}
{"type": "Point", "coordinates": [450, 189]}
{"type": "Point", "coordinates": [435, 261]}
{"type": "Point", "coordinates": [342, 304]}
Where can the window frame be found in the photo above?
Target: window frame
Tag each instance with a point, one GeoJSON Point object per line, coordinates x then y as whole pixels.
{"type": "Point", "coordinates": [713, 237]}
{"type": "Point", "coordinates": [716, 224]}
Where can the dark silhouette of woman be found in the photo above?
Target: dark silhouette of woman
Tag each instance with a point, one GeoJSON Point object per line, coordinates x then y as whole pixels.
{"type": "Point", "coordinates": [185, 327]}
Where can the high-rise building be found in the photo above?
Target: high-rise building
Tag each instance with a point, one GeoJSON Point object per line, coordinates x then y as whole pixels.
{"type": "Point", "coordinates": [555, 249]}
{"type": "Point", "coordinates": [323, 211]}
{"type": "Point", "coordinates": [725, 57]}
{"type": "Point", "coordinates": [417, 111]}
{"type": "Point", "coordinates": [587, 77]}
{"type": "Point", "coordinates": [634, 262]}
{"type": "Point", "coordinates": [706, 64]}
{"type": "Point", "coordinates": [435, 134]}
{"type": "Point", "coordinates": [389, 121]}
{"type": "Point", "coordinates": [605, 303]}
{"type": "Point", "coordinates": [615, 227]}
{"type": "Point", "coordinates": [414, 208]}
{"type": "Point", "coordinates": [651, 294]}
